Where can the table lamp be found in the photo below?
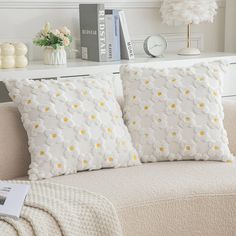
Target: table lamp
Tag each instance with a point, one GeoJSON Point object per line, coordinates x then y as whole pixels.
{"type": "Point", "coordinates": [188, 12]}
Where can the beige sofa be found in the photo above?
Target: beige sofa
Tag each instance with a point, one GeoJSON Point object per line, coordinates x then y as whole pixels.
{"type": "Point", "coordinates": [169, 198]}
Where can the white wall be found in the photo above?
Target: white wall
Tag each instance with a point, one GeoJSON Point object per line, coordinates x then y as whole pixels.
{"type": "Point", "coordinates": [20, 20]}
{"type": "Point", "coordinates": [230, 27]}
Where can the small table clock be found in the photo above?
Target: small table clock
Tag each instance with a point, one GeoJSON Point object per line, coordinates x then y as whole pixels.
{"type": "Point", "coordinates": [155, 46]}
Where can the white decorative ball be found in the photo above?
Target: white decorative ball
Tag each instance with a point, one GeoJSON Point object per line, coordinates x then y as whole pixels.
{"type": "Point", "coordinates": [8, 49]}
{"type": "Point", "coordinates": [21, 61]}
{"type": "Point", "coordinates": [20, 49]}
{"type": "Point", "coordinates": [8, 62]}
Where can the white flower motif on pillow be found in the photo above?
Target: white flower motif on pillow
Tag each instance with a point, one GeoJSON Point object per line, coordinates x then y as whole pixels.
{"type": "Point", "coordinates": [54, 136]}
{"type": "Point", "coordinates": [101, 105]}
{"type": "Point", "coordinates": [162, 150]}
{"type": "Point", "coordinates": [214, 121]}
{"type": "Point", "coordinates": [15, 95]}
{"type": "Point", "coordinates": [174, 82]}
{"type": "Point", "coordinates": [84, 161]}
{"type": "Point", "coordinates": [174, 134]}
{"type": "Point", "coordinates": [58, 95]}
{"type": "Point", "coordinates": [134, 124]}
{"type": "Point", "coordinates": [187, 93]}
{"type": "Point", "coordinates": [108, 132]}
{"type": "Point", "coordinates": [216, 150]}
{"type": "Point", "coordinates": [159, 120]}
{"type": "Point", "coordinates": [39, 88]}
{"type": "Point", "coordinates": [201, 105]}
{"type": "Point", "coordinates": [65, 120]}
{"type": "Point", "coordinates": [214, 95]}
{"type": "Point", "coordinates": [82, 132]}
{"type": "Point", "coordinates": [175, 157]}
{"type": "Point", "coordinates": [146, 107]}
{"type": "Point", "coordinates": [187, 119]}
{"type": "Point", "coordinates": [58, 166]}
{"type": "Point", "coordinates": [202, 134]}
{"type": "Point", "coordinates": [134, 98]}
{"type": "Point", "coordinates": [172, 106]}
{"type": "Point", "coordinates": [146, 84]}
{"type": "Point", "coordinates": [134, 160]}
{"type": "Point", "coordinates": [159, 94]}
{"type": "Point", "coordinates": [92, 118]}
{"type": "Point", "coordinates": [36, 127]}
{"type": "Point", "coordinates": [29, 103]}
{"type": "Point", "coordinates": [110, 160]}
{"type": "Point", "coordinates": [98, 146]}
{"type": "Point", "coordinates": [47, 110]}
{"type": "Point", "coordinates": [122, 144]}
{"type": "Point", "coordinates": [74, 106]}
{"type": "Point", "coordinates": [188, 149]}
{"type": "Point", "coordinates": [40, 154]}
{"type": "Point", "coordinates": [201, 80]}
{"type": "Point", "coordinates": [71, 149]}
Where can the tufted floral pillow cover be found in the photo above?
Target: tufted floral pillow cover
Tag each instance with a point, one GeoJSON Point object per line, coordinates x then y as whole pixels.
{"type": "Point", "coordinates": [176, 113]}
{"type": "Point", "coordinates": [72, 125]}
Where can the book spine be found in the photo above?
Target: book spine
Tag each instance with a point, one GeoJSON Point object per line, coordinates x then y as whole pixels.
{"type": "Point", "coordinates": [112, 35]}
{"type": "Point", "coordinates": [109, 34]}
{"type": "Point", "coordinates": [127, 51]}
{"type": "Point", "coordinates": [101, 32]}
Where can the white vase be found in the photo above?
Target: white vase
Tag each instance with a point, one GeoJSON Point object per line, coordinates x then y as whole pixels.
{"type": "Point", "coordinates": [54, 56]}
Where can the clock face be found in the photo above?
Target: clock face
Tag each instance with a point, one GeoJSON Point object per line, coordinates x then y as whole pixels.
{"type": "Point", "coordinates": [155, 45]}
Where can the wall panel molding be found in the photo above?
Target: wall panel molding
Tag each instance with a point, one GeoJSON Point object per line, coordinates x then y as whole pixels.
{"type": "Point", "coordinates": [72, 4]}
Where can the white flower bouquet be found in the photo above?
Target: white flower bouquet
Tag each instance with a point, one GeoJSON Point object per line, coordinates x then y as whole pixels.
{"type": "Point", "coordinates": [54, 38]}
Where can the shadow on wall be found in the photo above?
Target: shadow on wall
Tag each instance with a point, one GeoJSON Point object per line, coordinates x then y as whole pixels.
{"type": "Point", "coordinates": [4, 93]}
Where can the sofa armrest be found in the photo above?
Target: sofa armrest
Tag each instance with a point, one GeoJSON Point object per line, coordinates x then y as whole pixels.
{"type": "Point", "coordinates": [14, 154]}
{"type": "Point", "coordinates": [229, 122]}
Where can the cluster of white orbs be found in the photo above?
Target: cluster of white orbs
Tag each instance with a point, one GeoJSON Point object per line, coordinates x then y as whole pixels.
{"type": "Point", "coordinates": [13, 55]}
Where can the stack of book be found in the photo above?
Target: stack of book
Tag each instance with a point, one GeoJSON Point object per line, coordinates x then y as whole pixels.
{"type": "Point", "coordinates": [104, 34]}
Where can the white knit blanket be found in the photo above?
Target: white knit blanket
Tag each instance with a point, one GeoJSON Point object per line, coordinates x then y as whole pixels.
{"type": "Point", "coordinates": [58, 210]}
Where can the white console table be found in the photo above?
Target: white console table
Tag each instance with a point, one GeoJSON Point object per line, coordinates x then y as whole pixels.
{"type": "Point", "coordinates": [74, 68]}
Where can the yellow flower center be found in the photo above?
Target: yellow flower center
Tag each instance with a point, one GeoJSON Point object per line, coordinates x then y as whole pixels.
{"type": "Point", "coordinates": [134, 122]}
{"type": "Point", "coordinates": [82, 132]}
{"type": "Point", "coordinates": [134, 97]}
{"type": "Point", "coordinates": [174, 134]}
{"type": "Point", "coordinates": [93, 117]}
{"type": "Point", "coordinates": [58, 94]}
{"type": "Point", "coordinates": [202, 133]}
{"type": "Point", "coordinates": [54, 135]}
{"type": "Point", "coordinates": [85, 162]}
{"type": "Point", "coordinates": [146, 81]}
{"type": "Point", "coordinates": [187, 148]}
{"type": "Point", "coordinates": [110, 159]}
{"type": "Point", "coordinates": [202, 105]}
{"type": "Point", "coordinates": [46, 109]}
{"type": "Point", "coordinates": [65, 119]}
{"type": "Point", "coordinates": [102, 104]}
{"type": "Point", "coordinates": [29, 101]}
{"type": "Point", "coordinates": [162, 149]}
{"type": "Point", "coordinates": [173, 106]}
{"type": "Point", "coordinates": [134, 157]}
{"type": "Point", "coordinates": [59, 165]}
{"type": "Point", "coordinates": [109, 130]}
{"type": "Point", "coordinates": [216, 120]}
{"type": "Point", "coordinates": [42, 153]}
{"type": "Point", "coordinates": [146, 107]}
{"type": "Point", "coordinates": [173, 80]}
{"type": "Point", "coordinates": [215, 94]}
{"type": "Point", "coordinates": [187, 92]}
{"type": "Point", "coordinates": [98, 145]}
{"type": "Point", "coordinates": [159, 94]}
{"type": "Point", "coordinates": [85, 93]}
{"type": "Point", "coordinates": [216, 148]}
{"type": "Point", "coordinates": [187, 119]}
{"type": "Point", "coordinates": [36, 126]}
{"type": "Point", "coordinates": [71, 148]}
{"type": "Point", "coordinates": [75, 106]}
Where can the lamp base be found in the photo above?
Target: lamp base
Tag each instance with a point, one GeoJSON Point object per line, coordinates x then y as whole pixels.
{"type": "Point", "coordinates": [189, 52]}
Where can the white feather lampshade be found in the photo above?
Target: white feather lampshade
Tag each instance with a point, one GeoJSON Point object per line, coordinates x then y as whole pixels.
{"type": "Point", "coordinates": [187, 12]}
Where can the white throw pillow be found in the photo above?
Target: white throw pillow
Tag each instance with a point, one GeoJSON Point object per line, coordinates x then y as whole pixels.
{"type": "Point", "coordinates": [176, 113]}
{"type": "Point", "coordinates": [72, 125]}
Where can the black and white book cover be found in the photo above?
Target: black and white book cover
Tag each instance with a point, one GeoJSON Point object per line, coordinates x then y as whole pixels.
{"type": "Point", "coordinates": [12, 198]}
{"type": "Point", "coordinates": [93, 32]}
{"type": "Point", "coordinates": [127, 51]}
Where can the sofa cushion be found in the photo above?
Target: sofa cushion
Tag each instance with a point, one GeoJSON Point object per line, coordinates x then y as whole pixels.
{"type": "Point", "coordinates": [72, 125]}
{"type": "Point", "coordinates": [194, 198]}
{"type": "Point", "coordinates": [176, 113]}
